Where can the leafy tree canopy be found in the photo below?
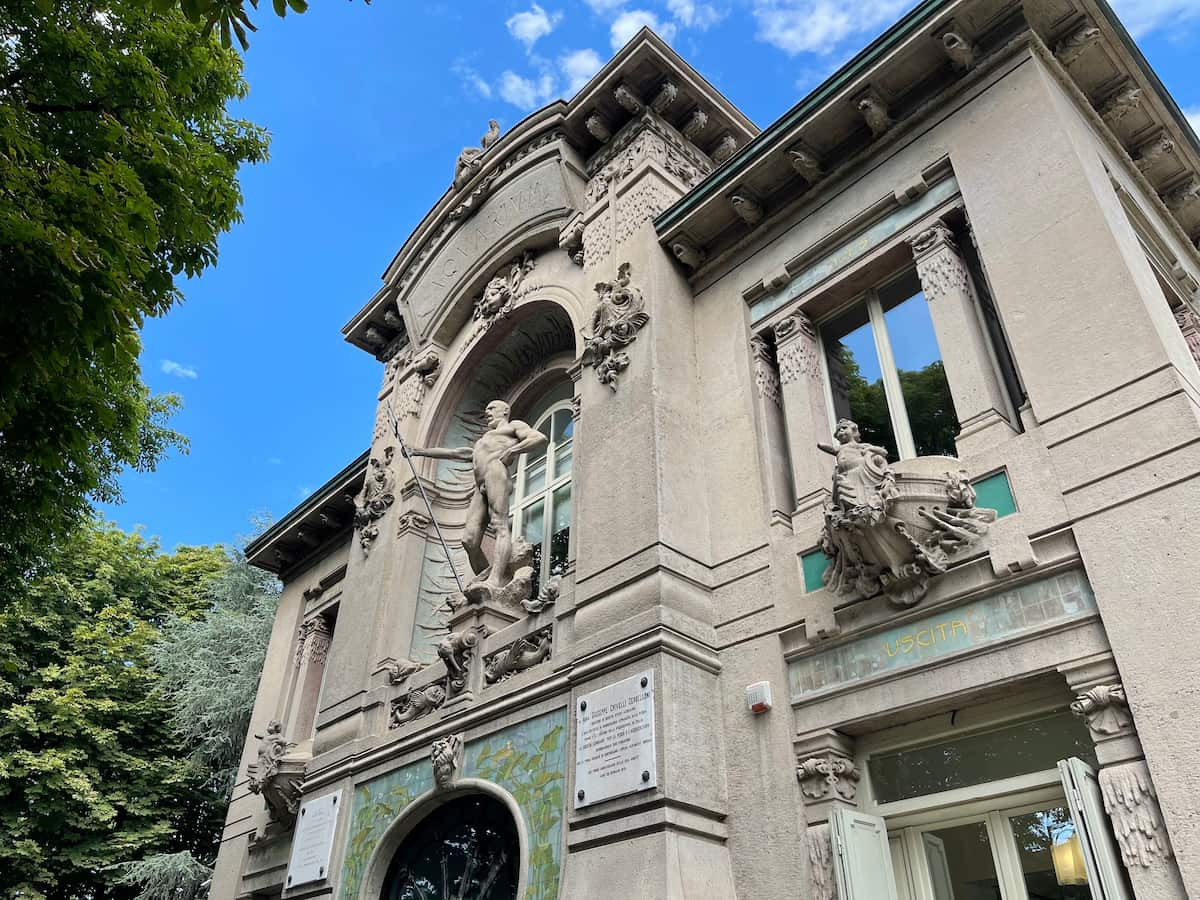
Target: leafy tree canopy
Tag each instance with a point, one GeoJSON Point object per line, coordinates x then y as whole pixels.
{"type": "Point", "coordinates": [126, 682]}
{"type": "Point", "coordinates": [229, 17]}
{"type": "Point", "coordinates": [118, 172]}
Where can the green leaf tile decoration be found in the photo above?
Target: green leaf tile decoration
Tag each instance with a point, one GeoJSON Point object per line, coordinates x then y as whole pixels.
{"type": "Point", "coordinates": [529, 760]}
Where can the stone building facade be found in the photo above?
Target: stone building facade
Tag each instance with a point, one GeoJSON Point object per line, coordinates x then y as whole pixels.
{"type": "Point", "coordinates": [858, 499]}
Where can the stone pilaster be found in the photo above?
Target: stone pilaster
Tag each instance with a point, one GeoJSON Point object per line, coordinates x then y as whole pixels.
{"type": "Point", "coordinates": [311, 652]}
{"type": "Point", "coordinates": [804, 406]}
{"type": "Point", "coordinates": [773, 446]}
{"type": "Point", "coordinates": [1125, 783]}
{"type": "Point", "coordinates": [828, 778]}
{"type": "Point", "coordinates": [970, 364]}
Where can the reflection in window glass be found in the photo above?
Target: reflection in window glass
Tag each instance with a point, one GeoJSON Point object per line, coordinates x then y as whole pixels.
{"type": "Point", "coordinates": [960, 861]}
{"type": "Point", "coordinates": [541, 503]}
{"type": "Point", "coordinates": [919, 367]}
{"type": "Point", "coordinates": [856, 378]}
{"type": "Point", "coordinates": [1051, 855]}
{"type": "Point", "coordinates": [561, 531]}
{"type": "Point", "coordinates": [1018, 749]}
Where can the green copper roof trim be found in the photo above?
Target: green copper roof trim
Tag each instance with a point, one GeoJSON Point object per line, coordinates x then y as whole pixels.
{"type": "Point", "coordinates": [299, 512]}
{"type": "Point", "coordinates": [867, 57]}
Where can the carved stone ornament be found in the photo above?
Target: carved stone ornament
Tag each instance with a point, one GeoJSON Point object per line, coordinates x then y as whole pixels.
{"type": "Point", "coordinates": [688, 253]}
{"type": "Point", "coordinates": [446, 758]}
{"type": "Point", "coordinates": [628, 99]}
{"type": "Point", "coordinates": [805, 163]}
{"type": "Point", "coordinates": [766, 374]}
{"type": "Point", "coordinates": [412, 521]}
{"type": "Point", "coordinates": [315, 635]}
{"type": "Point", "coordinates": [276, 778]}
{"type": "Point", "coordinates": [417, 703]}
{"type": "Point", "coordinates": [725, 148]}
{"type": "Point", "coordinates": [470, 159]}
{"type": "Point", "coordinates": [522, 654]}
{"type": "Point", "coordinates": [1073, 46]}
{"type": "Point", "coordinates": [1132, 806]}
{"type": "Point", "coordinates": [1120, 104]}
{"type": "Point", "coordinates": [1105, 709]}
{"type": "Point", "coordinates": [1153, 150]}
{"type": "Point", "coordinates": [619, 315]}
{"type": "Point", "coordinates": [399, 672]}
{"type": "Point", "coordinates": [1183, 195]}
{"type": "Point", "coordinates": [797, 349]}
{"type": "Point", "coordinates": [820, 860]}
{"type": "Point", "coordinates": [1189, 324]}
{"type": "Point", "coordinates": [652, 142]}
{"type": "Point", "coordinates": [960, 50]}
{"type": "Point", "coordinates": [426, 368]}
{"type": "Point", "coordinates": [546, 597]}
{"type": "Point", "coordinates": [747, 206]}
{"type": "Point", "coordinates": [598, 127]}
{"type": "Point", "coordinates": [570, 239]}
{"type": "Point", "coordinates": [505, 287]}
{"type": "Point", "coordinates": [888, 531]}
{"type": "Point", "coordinates": [875, 113]}
{"type": "Point", "coordinates": [828, 777]}
{"type": "Point", "coordinates": [695, 124]}
{"type": "Point", "coordinates": [665, 97]}
{"type": "Point", "coordinates": [375, 499]}
{"type": "Point", "coordinates": [940, 266]}
{"type": "Point", "coordinates": [456, 650]}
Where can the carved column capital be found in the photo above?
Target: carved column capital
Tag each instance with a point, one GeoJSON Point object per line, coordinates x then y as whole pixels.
{"type": "Point", "coordinates": [315, 635]}
{"type": "Point", "coordinates": [1105, 710]}
{"type": "Point", "coordinates": [796, 348]}
{"type": "Point", "coordinates": [933, 239]}
{"type": "Point", "coordinates": [828, 777]}
{"type": "Point", "coordinates": [766, 372]}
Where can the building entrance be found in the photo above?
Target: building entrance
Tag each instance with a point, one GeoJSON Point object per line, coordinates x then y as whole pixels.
{"type": "Point", "coordinates": [467, 849]}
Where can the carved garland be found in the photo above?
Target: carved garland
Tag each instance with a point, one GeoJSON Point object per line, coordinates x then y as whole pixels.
{"type": "Point", "coordinates": [620, 314]}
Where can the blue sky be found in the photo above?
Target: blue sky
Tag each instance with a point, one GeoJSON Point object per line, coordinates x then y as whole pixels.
{"type": "Point", "coordinates": [368, 107]}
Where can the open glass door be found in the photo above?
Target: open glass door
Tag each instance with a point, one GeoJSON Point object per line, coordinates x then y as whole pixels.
{"type": "Point", "coordinates": [1105, 871]}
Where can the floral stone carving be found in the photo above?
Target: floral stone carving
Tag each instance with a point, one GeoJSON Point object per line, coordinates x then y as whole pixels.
{"type": "Point", "coordinates": [620, 314]}
{"type": "Point", "coordinates": [276, 777]}
{"type": "Point", "coordinates": [446, 758]}
{"type": "Point", "coordinates": [1104, 708]}
{"type": "Point", "coordinates": [522, 654]}
{"type": "Point", "coordinates": [888, 531]}
{"type": "Point", "coordinates": [375, 499]}
{"type": "Point", "coordinates": [825, 777]}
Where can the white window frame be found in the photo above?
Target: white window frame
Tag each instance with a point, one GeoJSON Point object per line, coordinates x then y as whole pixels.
{"type": "Point", "coordinates": [522, 502]}
{"type": "Point", "coordinates": [892, 389]}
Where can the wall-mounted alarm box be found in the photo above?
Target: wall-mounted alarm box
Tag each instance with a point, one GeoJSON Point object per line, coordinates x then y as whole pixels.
{"type": "Point", "coordinates": [758, 696]}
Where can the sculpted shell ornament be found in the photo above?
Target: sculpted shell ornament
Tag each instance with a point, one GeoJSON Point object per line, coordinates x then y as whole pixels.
{"type": "Point", "coordinates": [620, 314]}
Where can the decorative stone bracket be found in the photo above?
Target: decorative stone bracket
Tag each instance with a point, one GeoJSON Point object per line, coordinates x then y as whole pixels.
{"type": "Point", "coordinates": [277, 777]}
{"type": "Point", "coordinates": [1105, 710]}
{"type": "Point", "coordinates": [828, 777]}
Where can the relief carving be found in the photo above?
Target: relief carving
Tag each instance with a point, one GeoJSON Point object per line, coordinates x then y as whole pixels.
{"type": "Point", "coordinates": [619, 315]}
{"type": "Point", "coordinates": [960, 50]}
{"type": "Point", "coordinates": [1073, 46]}
{"type": "Point", "coordinates": [506, 287]}
{"type": "Point", "coordinates": [874, 110]}
{"type": "Point", "coordinates": [939, 265]}
{"type": "Point", "coordinates": [1121, 104]}
{"type": "Point", "coordinates": [445, 755]}
{"type": "Point", "coordinates": [688, 253]}
{"type": "Point", "coordinates": [820, 859]}
{"type": "Point", "coordinates": [1189, 324]}
{"type": "Point", "coordinates": [797, 348]}
{"type": "Point", "coordinates": [426, 369]}
{"type": "Point", "coordinates": [276, 778]}
{"type": "Point", "coordinates": [828, 777]}
{"type": "Point", "coordinates": [456, 650]}
{"type": "Point", "coordinates": [548, 595]}
{"type": "Point", "coordinates": [880, 538]}
{"type": "Point", "coordinates": [399, 672]}
{"type": "Point", "coordinates": [766, 376]}
{"type": "Point", "coordinates": [570, 239]}
{"type": "Point", "coordinates": [725, 148]}
{"type": "Point", "coordinates": [522, 654]}
{"type": "Point", "coordinates": [649, 143]}
{"type": "Point", "coordinates": [375, 499]}
{"type": "Point", "coordinates": [1132, 806]}
{"type": "Point", "coordinates": [417, 703]}
{"type": "Point", "coordinates": [805, 163]}
{"type": "Point", "coordinates": [1105, 709]}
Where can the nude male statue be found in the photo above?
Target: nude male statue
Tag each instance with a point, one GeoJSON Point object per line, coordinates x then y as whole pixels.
{"type": "Point", "coordinates": [503, 442]}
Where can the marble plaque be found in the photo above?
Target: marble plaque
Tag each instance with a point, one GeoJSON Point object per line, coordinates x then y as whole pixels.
{"type": "Point", "coordinates": [614, 741]}
{"type": "Point", "coordinates": [315, 826]}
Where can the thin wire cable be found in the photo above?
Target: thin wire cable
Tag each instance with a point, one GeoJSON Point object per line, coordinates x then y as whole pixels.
{"type": "Point", "coordinates": [420, 487]}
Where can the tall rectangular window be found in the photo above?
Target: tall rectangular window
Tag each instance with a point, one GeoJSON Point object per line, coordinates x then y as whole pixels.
{"type": "Point", "coordinates": [886, 373]}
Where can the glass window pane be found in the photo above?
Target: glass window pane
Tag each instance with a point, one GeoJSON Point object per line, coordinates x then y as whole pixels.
{"type": "Point", "coordinates": [535, 475]}
{"type": "Point", "coordinates": [535, 525]}
{"type": "Point", "coordinates": [562, 460]}
{"type": "Point", "coordinates": [960, 863]}
{"type": "Point", "coordinates": [1051, 855]}
{"type": "Point", "coordinates": [564, 427]}
{"type": "Point", "coordinates": [1018, 749]}
{"type": "Point", "coordinates": [919, 366]}
{"type": "Point", "coordinates": [855, 377]}
{"type": "Point", "coordinates": [560, 534]}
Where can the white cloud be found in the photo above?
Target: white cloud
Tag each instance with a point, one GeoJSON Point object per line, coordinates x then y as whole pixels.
{"type": "Point", "coordinates": [818, 26]}
{"type": "Point", "coordinates": [526, 93]}
{"type": "Point", "coordinates": [179, 370]}
{"type": "Point", "coordinates": [472, 80]}
{"type": "Point", "coordinates": [691, 14]}
{"type": "Point", "coordinates": [529, 26]}
{"type": "Point", "coordinates": [1193, 117]}
{"type": "Point", "coordinates": [1143, 16]}
{"type": "Point", "coordinates": [631, 21]}
{"type": "Point", "coordinates": [578, 66]}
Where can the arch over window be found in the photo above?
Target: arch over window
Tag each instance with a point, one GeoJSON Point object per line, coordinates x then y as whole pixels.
{"type": "Point", "coordinates": [467, 847]}
{"type": "Point", "coordinates": [540, 502]}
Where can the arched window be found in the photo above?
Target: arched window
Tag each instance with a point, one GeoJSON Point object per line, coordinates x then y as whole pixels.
{"type": "Point", "coordinates": [541, 497]}
{"type": "Point", "coordinates": [466, 848]}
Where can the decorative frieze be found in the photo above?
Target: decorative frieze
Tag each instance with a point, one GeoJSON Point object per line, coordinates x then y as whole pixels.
{"type": "Point", "coordinates": [416, 704]}
{"type": "Point", "coordinates": [1132, 806]}
{"type": "Point", "coordinates": [648, 141]}
{"type": "Point", "coordinates": [619, 315]}
{"type": "Point", "coordinates": [1105, 710]}
{"type": "Point", "coordinates": [828, 777]}
{"type": "Point", "coordinates": [641, 204]}
{"type": "Point", "coordinates": [445, 756]}
{"type": "Point", "coordinates": [375, 499]}
{"type": "Point", "coordinates": [522, 654]}
{"type": "Point", "coordinates": [1189, 323]}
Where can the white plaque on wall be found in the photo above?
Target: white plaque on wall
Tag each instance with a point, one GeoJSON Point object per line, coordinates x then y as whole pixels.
{"type": "Point", "coordinates": [614, 741]}
{"type": "Point", "coordinates": [313, 841]}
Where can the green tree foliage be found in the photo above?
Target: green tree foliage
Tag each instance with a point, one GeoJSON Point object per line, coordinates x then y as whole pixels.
{"type": "Point", "coordinates": [118, 172]}
{"type": "Point", "coordinates": [229, 17]}
{"type": "Point", "coordinates": [91, 774]}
